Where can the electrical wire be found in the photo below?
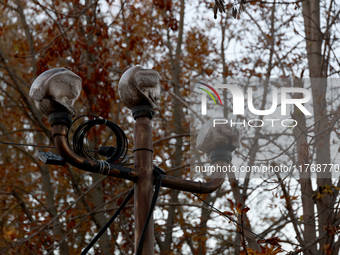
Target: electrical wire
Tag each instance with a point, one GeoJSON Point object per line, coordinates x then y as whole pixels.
{"type": "Point", "coordinates": [234, 221]}
{"type": "Point", "coordinates": [114, 154]}
{"type": "Point", "coordinates": [80, 137]}
{"type": "Point", "coordinates": [107, 225]}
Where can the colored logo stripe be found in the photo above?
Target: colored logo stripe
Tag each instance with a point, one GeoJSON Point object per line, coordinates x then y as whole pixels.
{"type": "Point", "coordinates": [209, 94]}
{"type": "Point", "coordinates": [212, 90]}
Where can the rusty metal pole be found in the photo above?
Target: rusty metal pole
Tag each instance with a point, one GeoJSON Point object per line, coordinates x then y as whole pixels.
{"type": "Point", "coordinates": [144, 186]}
{"type": "Point", "coordinates": [139, 90]}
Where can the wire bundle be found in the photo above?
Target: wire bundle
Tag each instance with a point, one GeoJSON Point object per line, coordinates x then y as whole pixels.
{"type": "Point", "coordinates": [114, 154]}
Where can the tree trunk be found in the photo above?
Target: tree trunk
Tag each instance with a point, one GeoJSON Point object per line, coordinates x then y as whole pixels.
{"type": "Point", "coordinates": [175, 60]}
{"type": "Point", "coordinates": [309, 231]}
{"type": "Point", "coordinates": [317, 71]}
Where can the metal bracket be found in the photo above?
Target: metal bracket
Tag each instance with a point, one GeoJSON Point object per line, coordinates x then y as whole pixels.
{"type": "Point", "coordinates": [50, 158]}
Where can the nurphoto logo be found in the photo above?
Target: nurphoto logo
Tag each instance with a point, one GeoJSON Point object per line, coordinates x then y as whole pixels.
{"type": "Point", "coordinates": [239, 99]}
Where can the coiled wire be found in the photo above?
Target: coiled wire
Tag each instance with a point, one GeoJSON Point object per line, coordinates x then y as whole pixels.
{"type": "Point", "coordinates": [117, 153]}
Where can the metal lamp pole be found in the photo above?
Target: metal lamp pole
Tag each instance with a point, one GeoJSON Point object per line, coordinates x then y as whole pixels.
{"type": "Point", "coordinates": [55, 91]}
{"type": "Point", "coordinates": [144, 185]}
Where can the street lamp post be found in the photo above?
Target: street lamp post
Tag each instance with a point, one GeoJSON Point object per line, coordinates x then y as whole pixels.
{"type": "Point", "coordinates": [55, 92]}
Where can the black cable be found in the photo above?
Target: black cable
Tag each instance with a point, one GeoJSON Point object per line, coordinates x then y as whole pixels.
{"type": "Point", "coordinates": [115, 154]}
{"type": "Point", "coordinates": [107, 225]}
{"type": "Point", "coordinates": [158, 182]}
